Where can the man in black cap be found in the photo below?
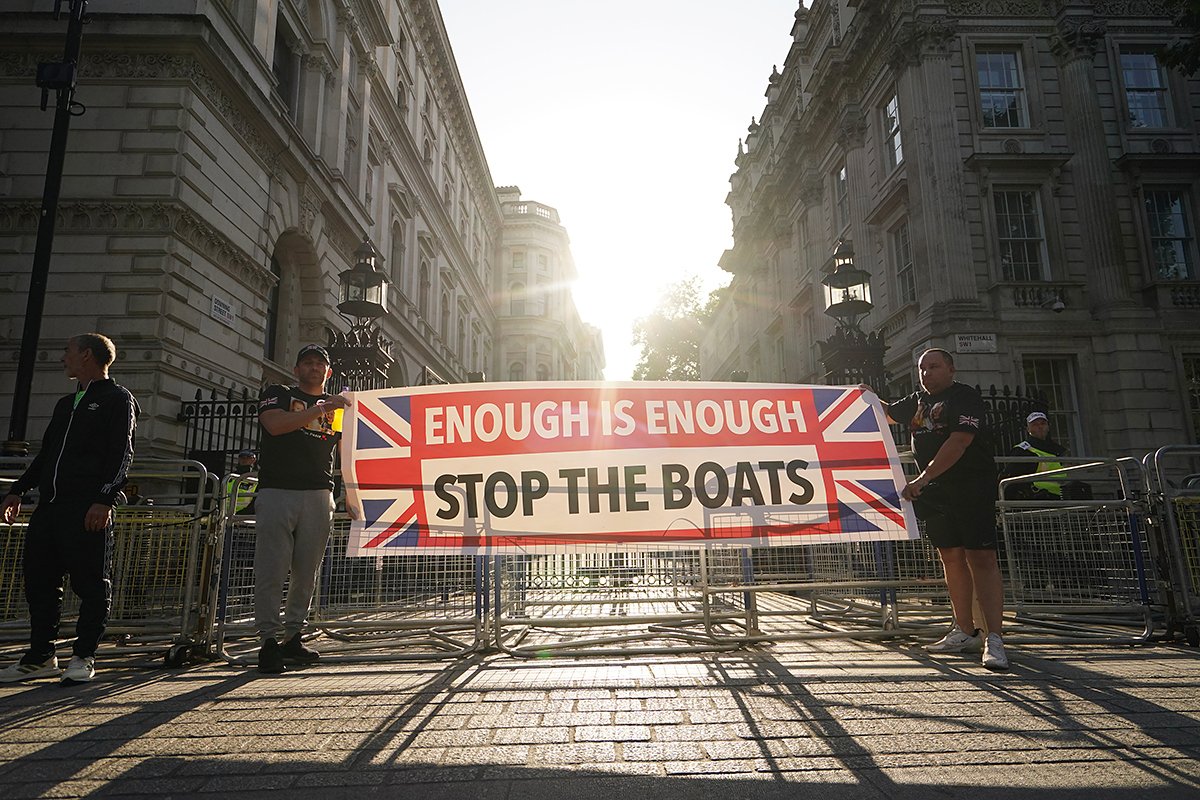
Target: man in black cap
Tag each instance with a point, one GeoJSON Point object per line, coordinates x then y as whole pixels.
{"type": "Point", "coordinates": [293, 506]}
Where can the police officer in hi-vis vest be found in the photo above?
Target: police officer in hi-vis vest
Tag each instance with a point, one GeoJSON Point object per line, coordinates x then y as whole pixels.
{"type": "Point", "coordinates": [1037, 444]}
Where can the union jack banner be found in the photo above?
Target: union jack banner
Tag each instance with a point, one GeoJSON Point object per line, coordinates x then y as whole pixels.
{"type": "Point", "coordinates": [529, 467]}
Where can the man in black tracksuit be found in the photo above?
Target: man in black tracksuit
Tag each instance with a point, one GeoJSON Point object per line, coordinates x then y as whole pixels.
{"type": "Point", "coordinates": [82, 465]}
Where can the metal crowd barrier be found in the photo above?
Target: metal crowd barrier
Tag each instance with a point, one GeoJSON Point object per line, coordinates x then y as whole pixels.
{"type": "Point", "coordinates": [1173, 489]}
{"type": "Point", "coordinates": [575, 601]}
{"type": "Point", "coordinates": [1118, 567]}
{"type": "Point", "coordinates": [159, 557]}
{"type": "Point", "coordinates": [393, 607]}
{"type": "Point", "coordinates": [1082, 569]}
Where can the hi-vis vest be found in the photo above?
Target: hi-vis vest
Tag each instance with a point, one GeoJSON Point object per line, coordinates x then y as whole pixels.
{"type": "Point", "coordinates": [245, 496]}
{"type": "Point", "coordinates": [1051, 487]}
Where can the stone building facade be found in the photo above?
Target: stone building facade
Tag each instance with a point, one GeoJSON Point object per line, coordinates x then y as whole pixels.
{"type": "Point", "coordinates": [233, 155]}
{"type": "Point", "coordinates": [1021, 181]}
{"type": "Point", "coordinates": [541, 336]}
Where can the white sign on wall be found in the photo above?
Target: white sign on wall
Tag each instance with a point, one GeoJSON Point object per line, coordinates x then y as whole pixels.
{"type": "Point", "coordinates": [222, 310]}
{"type": "Point", "coordinates": [974, 342]}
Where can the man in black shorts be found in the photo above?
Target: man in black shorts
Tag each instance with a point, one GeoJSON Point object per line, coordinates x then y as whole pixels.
{"type": "Point", "coordinates": [955, 495]}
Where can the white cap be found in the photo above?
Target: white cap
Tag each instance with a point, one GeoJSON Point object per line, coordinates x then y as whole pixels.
{"type": "Point", "coordinates": [1035, 416]}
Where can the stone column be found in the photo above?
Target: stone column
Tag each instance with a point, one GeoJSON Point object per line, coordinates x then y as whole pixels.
{"type": "Point", "coordinates": [1075, 47]}
{"type": "Point", "coordinates": [937, 205]}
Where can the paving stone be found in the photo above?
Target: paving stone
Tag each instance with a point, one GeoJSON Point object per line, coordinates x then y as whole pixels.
{"type": "Point", "coordinates": [612, 733]}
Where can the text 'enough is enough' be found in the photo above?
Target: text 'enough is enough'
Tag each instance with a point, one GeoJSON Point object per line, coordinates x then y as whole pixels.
{"type": "Point", "coordinates": [549, 419]}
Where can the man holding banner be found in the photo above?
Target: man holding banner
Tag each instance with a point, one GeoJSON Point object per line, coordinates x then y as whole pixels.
{"type": "Point", "coordinates": [294, 505]}
{"type": "Point", "coordinates": [955, 494]}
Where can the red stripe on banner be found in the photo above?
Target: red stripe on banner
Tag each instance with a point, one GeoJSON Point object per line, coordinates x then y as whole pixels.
{"type": "Point", "coordinates": [378, 422]}
{"type": "Point", "coordinates": [402, 522]}
{"type": "Point", "coordinates": [831, 414]}
{"type": "Point", "coordinates": [741, 534]}
{"type": "Point", "coordinates": [874, 502]}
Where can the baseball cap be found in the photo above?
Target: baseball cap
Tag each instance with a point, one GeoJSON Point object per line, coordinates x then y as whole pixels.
{"type": "Point", "coordinates": [247, 454]}
{"type": "Point", "coordinates": [312, 348]}
{"type": "Point", "coordinates": [1035, 416]}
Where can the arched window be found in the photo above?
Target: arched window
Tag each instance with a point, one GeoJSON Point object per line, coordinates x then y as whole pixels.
{"type": "Point", "coordinates": [543, 372]}
{"type": "Point", "coordinates": [518, 299]}
{"type": "Point", "coordinates": [423, 290]}
{"type": "Point", "coordinates": [462, 338]}
{"type": "Point", "coordinates": [271, 332]}
{"type": "Point", "coordinates": [444, 318]}
{"type": "Point", "coordinates": [397, 257]}
{"type": "Point", "coordinates": [516, 371]}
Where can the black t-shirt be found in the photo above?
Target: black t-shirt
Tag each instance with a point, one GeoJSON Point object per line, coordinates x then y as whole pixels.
{"type": "Point", "coordinates": [932, 418]}
{"type": "Point", "coordinates": [301, 459]}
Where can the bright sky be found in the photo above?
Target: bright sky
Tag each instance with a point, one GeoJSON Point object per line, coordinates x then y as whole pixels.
{"type": "Point", "coordinates": [624, 115]}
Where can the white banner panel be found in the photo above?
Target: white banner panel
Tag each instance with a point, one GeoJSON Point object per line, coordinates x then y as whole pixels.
{"type": "Point", "coordinates": [530, 467]}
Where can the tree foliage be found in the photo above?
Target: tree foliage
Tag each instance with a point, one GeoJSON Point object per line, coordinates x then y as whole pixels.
{"type": "Point", "coordinates": [670, 335]}
{"type": "Point", "coordinates": [1185, 54]}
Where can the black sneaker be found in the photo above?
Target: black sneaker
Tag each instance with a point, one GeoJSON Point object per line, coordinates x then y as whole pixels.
{"type": "Point", "coordinates": [294, 652]}
{"type": "Point", "coordinates": [270, 658]}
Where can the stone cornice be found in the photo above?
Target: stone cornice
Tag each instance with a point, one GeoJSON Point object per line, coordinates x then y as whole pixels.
{"type": "Point", "coordinates": [434, 50]}
{"type": "Point", "coordinates": [141, 217]}
{"type": "Point", "coordinates": [112, 65]}
{"type": "Point", "coordinates": [997, 8]}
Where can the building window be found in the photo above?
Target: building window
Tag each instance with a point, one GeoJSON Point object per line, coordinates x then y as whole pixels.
{"type": "Point", "coordinates": [423, 290]}
{"type": "Point", "coordinates": [543, 372]}
{"type": "Point", "coordinates": [906, 281]}
{"type": "Point", "coordinates": [461, 340]}
{"type": "Point", "coordinates": [518, 300]}
{"type": "Point", "coordinates": [1191, 384]}
{"type": "Point", "coordinates": [809, 348]}
{"type": "Point", "coordinates": [891, 132]}
{"type": "Point", "coordinates": [543, 263]}
{"type": "Point", "coordinates": [1001, 90]}
{"type": "Point", "coordinates": [841, 194]}
{"type": "Point", "coordinates": [397, 256]}
{"type": "Point", "coordinates": [285, 65]}
{"type": "Point", "coordinates": [518, 261]}
{"type": "Point", "coordinates": [1171, 245]}
{"type": "Point", "coordinates": [271, 333]}
{"type": "Point", "coordinates": [516, 371]}
{"type": "Point", "coordinates": [1020, 236]}
{"type": "Point", "coordinates": [1052, 378]}
{"type": "Point", "coordinates": [444, 318]}
{"type": "Point", "coordinates": [1145, 90]}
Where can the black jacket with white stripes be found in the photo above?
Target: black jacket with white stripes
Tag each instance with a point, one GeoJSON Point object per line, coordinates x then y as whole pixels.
{"type": "Point", "coordinates": [87, 448]}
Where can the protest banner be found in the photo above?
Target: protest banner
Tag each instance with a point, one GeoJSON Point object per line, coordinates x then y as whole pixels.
{"type": "Point", "coordinates": [526, 467]}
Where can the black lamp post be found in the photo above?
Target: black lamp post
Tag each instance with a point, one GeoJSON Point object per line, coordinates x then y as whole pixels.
{"type": "Point", "coordinates": [850, 355]}
{"type": "Point", "coordinates": [361, 356]}
{"type": "Point", "coordinates": [59, 76]}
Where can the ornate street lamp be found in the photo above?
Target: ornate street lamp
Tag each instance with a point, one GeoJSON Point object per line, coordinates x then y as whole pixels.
{"type": "Point", "coordinates": [361, 356]}
{"type": "Point", "coordinates": [363, 287]}
{"type": "Point", "coordinates": [850, 355]}
{"type": "Point", "coordinates": [847, 288]}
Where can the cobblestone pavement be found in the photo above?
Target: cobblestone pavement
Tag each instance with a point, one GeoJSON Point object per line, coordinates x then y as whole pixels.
{"type": "Point", "coordinates": [830, 719]}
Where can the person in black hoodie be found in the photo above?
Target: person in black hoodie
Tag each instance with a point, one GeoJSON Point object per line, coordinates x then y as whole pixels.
{"type": "Point", "coordinates": [79, 471]}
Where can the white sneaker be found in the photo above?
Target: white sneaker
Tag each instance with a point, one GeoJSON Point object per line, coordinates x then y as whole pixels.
{"type": "Point", "coordinates": [81, 670]}
{"type": "Point", "coordinates": [957, 641]}
{"type": "Point", "coordinates": [20, 671]}
{"type": "Point", "coordinates": [994, 657]}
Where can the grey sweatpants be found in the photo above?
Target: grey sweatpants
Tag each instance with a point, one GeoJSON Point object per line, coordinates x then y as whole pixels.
{"type": "Point", "coordinates": [291, 531]}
